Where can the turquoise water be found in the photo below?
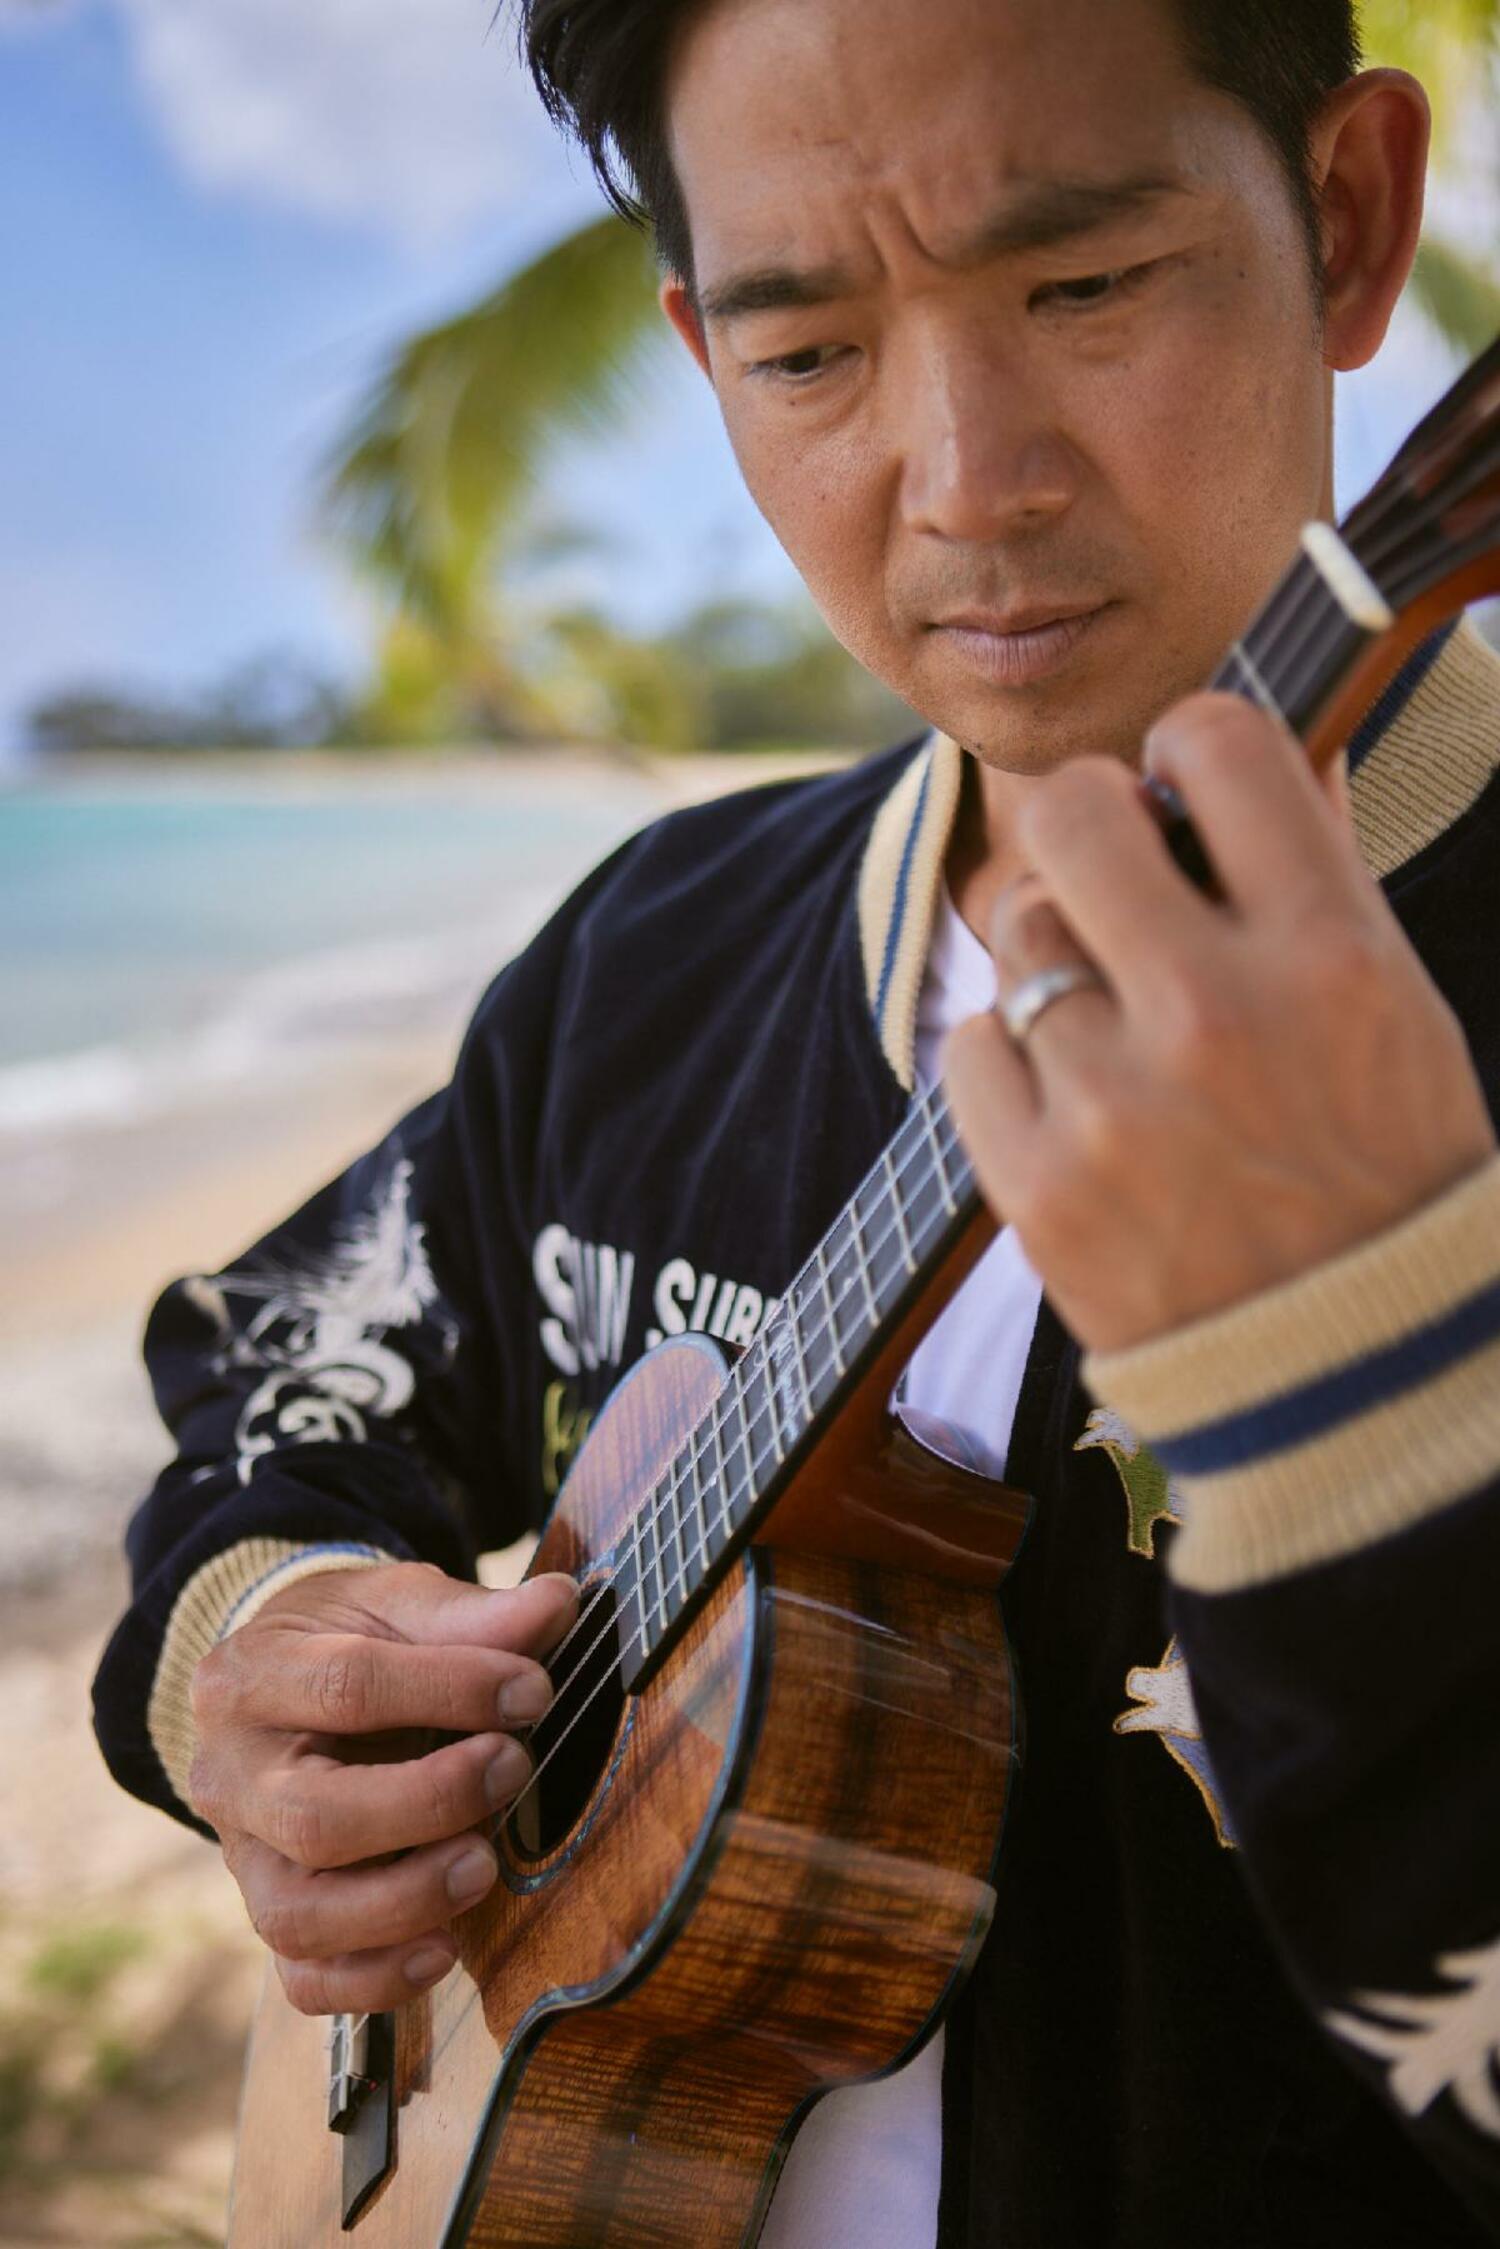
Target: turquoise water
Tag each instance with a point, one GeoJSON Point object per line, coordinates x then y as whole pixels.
{"type": "Point", "coordinates": [134, 914]}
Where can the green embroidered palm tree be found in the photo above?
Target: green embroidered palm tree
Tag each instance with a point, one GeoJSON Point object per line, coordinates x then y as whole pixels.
{"type": "Point", "coordinates": [426, 490]}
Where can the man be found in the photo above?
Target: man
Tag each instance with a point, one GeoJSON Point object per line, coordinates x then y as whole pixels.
{"type": "Point", "coordinates": [1023, 316]}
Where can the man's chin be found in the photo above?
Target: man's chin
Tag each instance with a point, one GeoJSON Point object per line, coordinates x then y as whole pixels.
{"type": "Point", "coordinates": [1102, 712]}
{"type": "Point", "coordinates": [1033, 741]}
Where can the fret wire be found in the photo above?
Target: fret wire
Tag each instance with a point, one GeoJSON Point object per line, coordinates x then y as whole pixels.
{"type": "Point", "coordinates": [744, 1420]}
{"type": "Point", "coordinates": [1260, 692]}
{"type": "Point", "coordinates": [757, 1459]}
{"type": "Point", "coordinates": [922, 1133]}
{"type": "Point", "coordinates": [903, 1232]}
{"type": "Point", "coordinates": [1291, 645]}
{"type": "Point", "coordinates": [942, 1170]}
{"type": "Point", "coordinates": [673, 1551]}
{"type": "Point", "coordinates": [872, 1308]}
{"type": "Point", "coordinates": [943, 1177]}
{"type": "Point", "coordinates": [798, 1350]}
{"type": "Point", "coordinates": [654, 1524]}
{"type": "Point", "coordinates": [785, 1360]}
{"type": "Point", "coordinates": [932, 1118]}
{"type": "Point", "coordinates": [696, 1500]}
{"type": "Point", "coordinates": [674, 1497]}
{"type": "Point", "coordinates": [720, 1482]}
{"type": "Point", "coordinates": [640, 1576]}
{"type": "Point", "coordinates": [768, 1386]}
{"type": "Point", "coordinates": [1268, 632]}
{"type": "Point", "coordinates": [820, 1263]}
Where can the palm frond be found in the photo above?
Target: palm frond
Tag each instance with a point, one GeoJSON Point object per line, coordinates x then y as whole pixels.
{"type": "Point", "coordinates": [1449, 44]}
{"type": "Point", "coordinates": [422, 487]}
{"type": "Point", "coordinates": [1459, 295]}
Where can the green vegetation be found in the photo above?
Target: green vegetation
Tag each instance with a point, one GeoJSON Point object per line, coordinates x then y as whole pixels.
{"type": "Point", "coordinates": [434, 498]}
{"type": "Point", "coordinates": [58, 2050]}
{"type": "Point", "coordinates": [78, 1965]}
{"type": "Point", "coordinates": [732, 675]}
{"type": "Point", "coordinates": [428, 492]}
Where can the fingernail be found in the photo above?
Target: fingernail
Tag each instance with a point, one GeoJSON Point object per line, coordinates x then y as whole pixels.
{"type": "Point", "coordinates": [526, 1696]}
{"type": "Point", "coordinates": [507, 1774]}
{"type": "Point", "coordinates": [470, 1875]}
{"type": "Point", "coordinates": [426, 1966]}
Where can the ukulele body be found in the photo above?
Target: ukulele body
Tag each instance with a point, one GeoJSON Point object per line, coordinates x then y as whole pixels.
{"type": "Point", "coordinates": [764, 1877]}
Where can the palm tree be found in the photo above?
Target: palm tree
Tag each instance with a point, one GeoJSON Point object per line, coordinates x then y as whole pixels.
{"type": "Point", "coordinates": [425, 491]}
{"type": "Point", "coordinates": [1453, 46]}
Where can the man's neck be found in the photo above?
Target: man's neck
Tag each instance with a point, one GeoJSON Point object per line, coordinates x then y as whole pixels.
{"type": "Point", "coordinates": [983, 854]}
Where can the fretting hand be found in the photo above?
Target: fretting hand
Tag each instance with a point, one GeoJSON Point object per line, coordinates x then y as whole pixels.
{"type": "Point", "coordinates": [293, 1711]}
{"type": "Point", "coordinates": [1248, 1087]}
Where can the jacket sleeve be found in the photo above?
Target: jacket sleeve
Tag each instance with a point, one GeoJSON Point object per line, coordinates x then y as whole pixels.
{"type": "Point", "coordinates": [349, 1391]}
{"type": "Point", "coordinates": [1334, 1450]}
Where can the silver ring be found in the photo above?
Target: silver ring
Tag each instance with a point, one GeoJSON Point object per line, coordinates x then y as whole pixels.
{"type": "Point", "coordinates": [1031, 999]}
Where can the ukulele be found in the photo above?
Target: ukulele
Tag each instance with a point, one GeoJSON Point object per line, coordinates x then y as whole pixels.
{"type": "Point", "coordinates": [755, 1858]}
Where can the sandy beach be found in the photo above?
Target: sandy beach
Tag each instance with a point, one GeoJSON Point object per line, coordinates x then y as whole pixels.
{"type": "Point", "coordinates": [127, 1970]}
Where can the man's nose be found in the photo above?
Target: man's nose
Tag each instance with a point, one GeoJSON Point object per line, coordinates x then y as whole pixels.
{"type": "Point", "coordinates": [981, 455]}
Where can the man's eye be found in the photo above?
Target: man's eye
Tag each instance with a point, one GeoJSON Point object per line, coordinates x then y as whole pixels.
{"type": "Point", "coordinates": [796, 366]}
{"type": "Point", "coordinates": [1092, 288]}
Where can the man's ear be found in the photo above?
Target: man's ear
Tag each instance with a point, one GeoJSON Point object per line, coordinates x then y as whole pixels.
{"type": "Point", "coordinates": [1369, 153]}
{"type": "Point", "coordinates": [676, 301]}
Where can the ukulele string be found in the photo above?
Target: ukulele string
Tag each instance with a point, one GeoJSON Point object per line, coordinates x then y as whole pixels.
{"type": "Point", "coordinates": [693, 1456]}
{"type": "Point", "coordinates": [613, 1669]}
{"type": "Point", "coordinates": [930, 1111]}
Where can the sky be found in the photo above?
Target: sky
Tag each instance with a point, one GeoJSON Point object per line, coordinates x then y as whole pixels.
{"type": "Point", "coordinates": [215, 216]}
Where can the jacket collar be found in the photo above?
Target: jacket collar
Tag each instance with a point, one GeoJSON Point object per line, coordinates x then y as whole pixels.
{"type": "Point", "coordinates": [1419, 759]}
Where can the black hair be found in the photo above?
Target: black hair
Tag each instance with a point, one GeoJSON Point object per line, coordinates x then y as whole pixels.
{"type": "Point", "coordinates": [601, 67]}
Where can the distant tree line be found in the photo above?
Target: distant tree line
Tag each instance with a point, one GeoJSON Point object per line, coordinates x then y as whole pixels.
{"type": "Point", "coordinates": [273, 701]}
{"type": "Point", "coordinates": [732, 675]}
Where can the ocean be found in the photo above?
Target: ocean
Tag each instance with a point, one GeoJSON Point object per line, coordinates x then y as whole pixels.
{"type": "Point", "coordinates": [162, 931]}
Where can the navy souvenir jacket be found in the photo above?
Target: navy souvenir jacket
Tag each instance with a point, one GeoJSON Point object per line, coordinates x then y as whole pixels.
{"type": "Point", "coordinates": [1243, 1983]}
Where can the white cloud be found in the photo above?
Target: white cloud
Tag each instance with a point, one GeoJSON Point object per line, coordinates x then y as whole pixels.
{"type": "Point", "coordinates": [409, 116]}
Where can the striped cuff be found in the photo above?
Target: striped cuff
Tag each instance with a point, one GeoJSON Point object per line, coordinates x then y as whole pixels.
{"type": "Point", "coordinates": [1336, 1410]}
{"type": "Point", "coordinates": [216, 1600]}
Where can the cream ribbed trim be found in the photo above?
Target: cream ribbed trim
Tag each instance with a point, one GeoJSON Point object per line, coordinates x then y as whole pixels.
{"type": "Point", "coordinates": [218, 1598]}
{"type": "Point", "coordinates": [941, 766]}
{"type": "Point", "coordinates": [1379, 1472]}
{"type": "Point", "coordinates": [1427, 768]}
{"type": "Point", "coordinates": [1434, 758]}
{"type": "Point", "coordinates": [1287, 1336]}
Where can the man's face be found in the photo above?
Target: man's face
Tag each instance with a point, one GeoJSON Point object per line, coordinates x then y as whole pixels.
{"type": "Point", "coordinates": [1012, 326]}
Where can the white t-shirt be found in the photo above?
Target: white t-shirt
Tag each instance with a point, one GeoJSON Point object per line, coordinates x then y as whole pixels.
{"type": "Point", "coordinates": [863, 2171]}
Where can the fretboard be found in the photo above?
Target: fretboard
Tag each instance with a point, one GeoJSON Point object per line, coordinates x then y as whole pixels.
{"type": "Point", "coordinates": [886, 1244]}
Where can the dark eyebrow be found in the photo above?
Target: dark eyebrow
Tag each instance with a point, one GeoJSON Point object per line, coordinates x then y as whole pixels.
{"type": "Point", "coordinates": [1040, 215]}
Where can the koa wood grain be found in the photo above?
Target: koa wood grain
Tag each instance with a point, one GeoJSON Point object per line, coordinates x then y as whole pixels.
{"type": "Point", "coordinates": [782, 1872]}
{"type": "Point", "coordinates": [761, 1875]}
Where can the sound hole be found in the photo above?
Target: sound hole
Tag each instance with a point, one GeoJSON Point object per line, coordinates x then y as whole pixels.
{"type": "Point", "coordinates": [570, 1746]}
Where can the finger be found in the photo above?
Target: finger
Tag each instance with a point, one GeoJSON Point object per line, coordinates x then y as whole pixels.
{"type": "Point", "coordinates": [1030, 938]}
{"type": "Point", "coordinates": [354, 1683]}
{"type": "Point", "coordinates": [419, 1603]}
{"type": "Point", "coordinates": [1333, 780]}
{"type": "Point", "coordinates": [996, 1104]}
{"type": "Point", "coordinates": [1105, 865]}
{"type": "Point", "coordinates": [1023, 924]}
{"type": "Point", "coordinates": [302, 1915]}
{"type": "Point", "coordinates": [322, 1813]}
{"type": "Point", "coordinates": [1266, 822]}
{"type": "Point", "coordinates": [367, 1983]}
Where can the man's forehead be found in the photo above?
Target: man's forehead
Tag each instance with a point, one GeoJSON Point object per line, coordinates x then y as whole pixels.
{"type": "Point", "coordinates": [1037, 211]}
{"type": "Point", "coordinates": [979, 126]}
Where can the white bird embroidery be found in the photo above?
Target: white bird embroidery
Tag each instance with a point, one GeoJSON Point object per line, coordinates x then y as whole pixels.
{"type": "Point", "coordinates": [1437, 2042]}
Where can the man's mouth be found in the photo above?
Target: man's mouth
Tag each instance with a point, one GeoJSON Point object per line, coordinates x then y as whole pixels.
{"type": "Point", "coordinates": [1018, 646]}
